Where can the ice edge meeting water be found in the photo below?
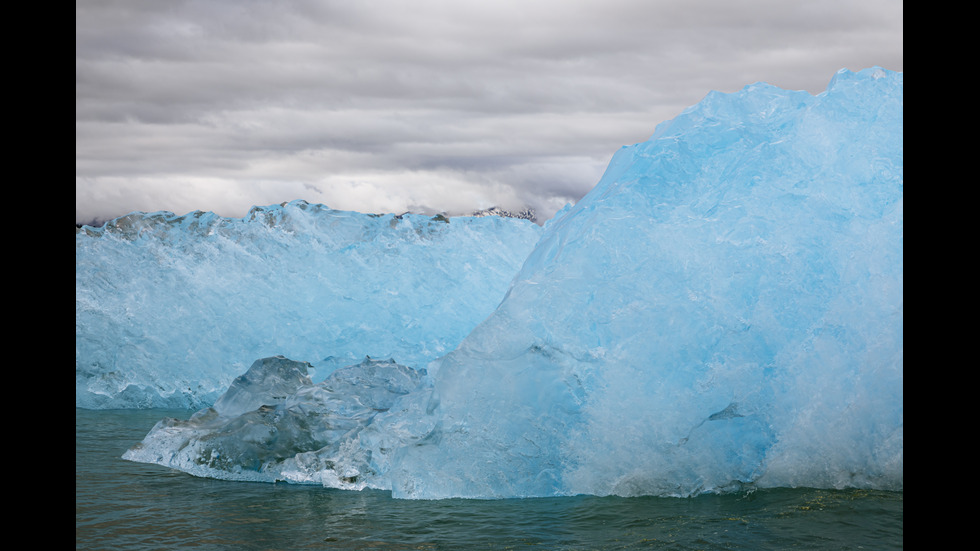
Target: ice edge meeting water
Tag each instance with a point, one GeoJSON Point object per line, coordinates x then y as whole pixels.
{"type": "Point", "coordinates": [723, 311]}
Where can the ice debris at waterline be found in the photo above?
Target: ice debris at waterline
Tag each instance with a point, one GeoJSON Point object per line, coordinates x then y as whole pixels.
{"type": "Point", "coordinates": [723, 311]}
{"type": "Point", "coordinates": [274, 423]}
{"type": "Point", "coordinates": [170, 309]}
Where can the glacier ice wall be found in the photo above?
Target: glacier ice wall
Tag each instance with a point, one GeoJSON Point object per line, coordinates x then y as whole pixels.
{"type": "Point", "coordinates": [170, 309]}
{"type": "Point", "coordinates": [723, 311]}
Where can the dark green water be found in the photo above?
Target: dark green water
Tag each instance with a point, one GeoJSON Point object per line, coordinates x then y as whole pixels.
{"type": "Point", "coordinates": [133, 506]}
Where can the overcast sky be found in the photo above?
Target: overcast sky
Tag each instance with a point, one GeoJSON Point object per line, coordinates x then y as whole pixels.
{"type": "Point", "coordinates": [419, 105]}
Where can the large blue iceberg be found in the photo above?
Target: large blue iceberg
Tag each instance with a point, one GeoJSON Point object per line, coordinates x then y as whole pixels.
{"type": "Point", "coordinates": [170, 309]}
{"type": "Point", "coordinates": [722, 312]}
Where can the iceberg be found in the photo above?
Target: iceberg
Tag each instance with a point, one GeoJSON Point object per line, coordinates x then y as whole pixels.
{"type": "Point", "coordinates": [170, 309]}
{"type": "Point", "coordinates": [724, 308]}
{"type": "Point", "coordinates": [722, 312]}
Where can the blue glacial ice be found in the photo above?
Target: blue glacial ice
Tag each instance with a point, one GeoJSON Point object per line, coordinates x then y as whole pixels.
{"type": "Point", "coordinates": [722, 312]}
{"type": "Point", "coordinates": [170, 309]}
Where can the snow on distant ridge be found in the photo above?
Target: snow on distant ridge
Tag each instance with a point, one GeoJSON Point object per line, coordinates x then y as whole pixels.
{"type": "Point", "coordinates": [526, 213]}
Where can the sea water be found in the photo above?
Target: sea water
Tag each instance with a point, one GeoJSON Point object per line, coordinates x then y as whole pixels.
{"type": "Point", "coordinates": [135, 506]}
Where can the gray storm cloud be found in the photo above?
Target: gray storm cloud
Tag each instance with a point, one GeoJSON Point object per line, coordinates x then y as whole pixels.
{"type": "Point", "coordinates": [431, 106]}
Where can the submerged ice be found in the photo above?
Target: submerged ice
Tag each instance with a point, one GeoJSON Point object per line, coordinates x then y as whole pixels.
{"type": "Point", "coordinates": [169, 309]}
{"type": "Point", "coordinates": [723, 311]}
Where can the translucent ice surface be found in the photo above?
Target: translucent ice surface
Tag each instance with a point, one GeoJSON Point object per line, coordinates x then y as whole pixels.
{"type": "Point", "coordinates": [274, 424]}
{"type": "Point", "coordinates": [723, 311]}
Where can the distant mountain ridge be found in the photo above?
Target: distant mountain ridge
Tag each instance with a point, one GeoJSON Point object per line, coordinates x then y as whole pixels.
{"type": "Point", "coordinates": [526, 213]}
